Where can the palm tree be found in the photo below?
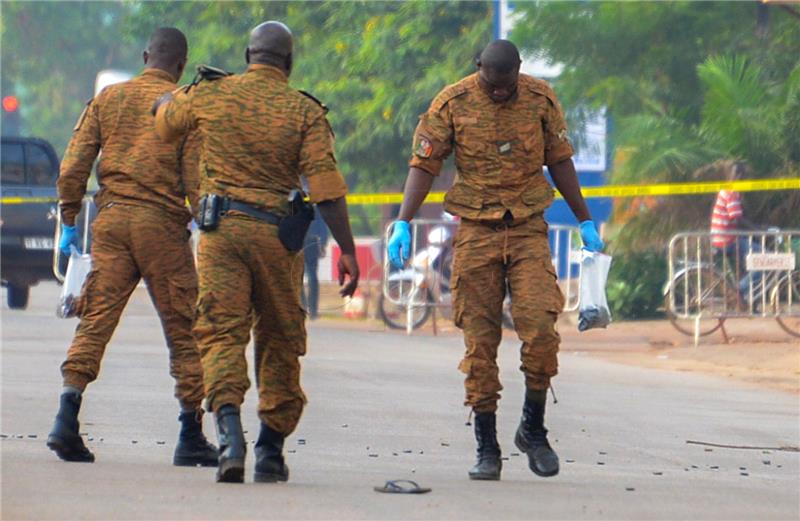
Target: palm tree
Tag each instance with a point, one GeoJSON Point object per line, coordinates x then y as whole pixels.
{"type": "Point", "coordinates": [744, 118]}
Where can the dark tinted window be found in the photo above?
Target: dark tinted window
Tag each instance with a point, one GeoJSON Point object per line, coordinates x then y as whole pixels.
{"type": "Point", "coordinates": [12, 164]}
{"type": "Point", "coordinates": [41, 171]}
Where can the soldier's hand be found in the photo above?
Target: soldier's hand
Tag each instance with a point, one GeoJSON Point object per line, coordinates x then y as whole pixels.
{"type": "Point", "coordinates": [591, 239]}
{"type": "Point", "coordinates": [399, 245]}
{"type": "Point", "coordinates": [347, 265]}
{"type": "Point", "coordinates": [69, 238]}
{"type": "Point", "coordinates": [166, 98]}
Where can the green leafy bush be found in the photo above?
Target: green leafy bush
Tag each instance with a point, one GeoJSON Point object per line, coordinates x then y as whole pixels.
{"type": "Point", "coordinates": [635, 285]}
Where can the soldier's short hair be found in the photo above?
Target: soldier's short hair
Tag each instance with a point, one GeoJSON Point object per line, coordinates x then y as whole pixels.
{"type": "Point", "coordinates": [501, 56]}
{"type": "Point", "coordinates": [168, 44]}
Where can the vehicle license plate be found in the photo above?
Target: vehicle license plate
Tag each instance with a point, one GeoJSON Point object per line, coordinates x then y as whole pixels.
{"type": "Point", "coordinates": [38, 243]}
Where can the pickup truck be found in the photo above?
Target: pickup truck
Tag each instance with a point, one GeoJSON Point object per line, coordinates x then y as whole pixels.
{"type": "Point", "coordinates": [28, 173]}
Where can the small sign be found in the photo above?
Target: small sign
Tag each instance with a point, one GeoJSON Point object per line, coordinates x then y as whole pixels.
{"type": "Point", "coordinates": [771, 261]}
{"type": "Point", "coordinates": [38, 243]}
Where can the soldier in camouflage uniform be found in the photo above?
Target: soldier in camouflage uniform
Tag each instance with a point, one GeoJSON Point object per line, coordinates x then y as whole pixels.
{"type": "Point", "coordinates": [503, 126]}
{"type": "Point", "coordinates": [259, 136]}
{"type": "Point", "coordinates": [140, 232]}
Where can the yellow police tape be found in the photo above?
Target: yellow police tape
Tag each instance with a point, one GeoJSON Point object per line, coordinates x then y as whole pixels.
{"type": "Point", "coordinates": [23, 200]}
{"type": "Point", "coordinates": [792, 183]}
{"type": "Point", "coordinates": [619, 190]}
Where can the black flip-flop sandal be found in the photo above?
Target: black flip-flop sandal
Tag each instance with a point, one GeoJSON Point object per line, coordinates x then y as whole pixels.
{"type": "Point", "coordinates": [401, 486]}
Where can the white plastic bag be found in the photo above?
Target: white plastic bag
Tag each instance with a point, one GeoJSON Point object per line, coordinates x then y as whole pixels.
{"type": "Point", "coordinates": [593, 311]}
{"type": "Point", "coordinates": [78, 268]}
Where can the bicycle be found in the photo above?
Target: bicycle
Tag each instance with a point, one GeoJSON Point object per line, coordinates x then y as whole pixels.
{"type": "Point", "coordinates": [410, 293]}
{"type": "Point", "coordinates": [707, 288]}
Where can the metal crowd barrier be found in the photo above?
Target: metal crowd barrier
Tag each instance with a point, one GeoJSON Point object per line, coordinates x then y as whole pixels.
{"type": "Point", "coordinates": [84, 219]}
{"type": "Point", "coordinates": [417, 291]}
{"type": "Point", "coordinates": [735, 274]}
{"type": "Point", "coordinates": [565, 248]}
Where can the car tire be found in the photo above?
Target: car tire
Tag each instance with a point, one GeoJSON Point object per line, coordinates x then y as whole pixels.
{"type": "Point", "coordinates": [18, 296]}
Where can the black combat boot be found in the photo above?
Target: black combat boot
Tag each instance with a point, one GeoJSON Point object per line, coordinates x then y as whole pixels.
{"type": "Point", "coordinates": [270, 466]}
{"type": "Point", "coordinates": [531, 437]}
{"type": "Point", "coordinates": [65, 439]}
{"type": "Point", "coordinates": [193, 448]}
{"type": "Point", "coordinates": [489, 464]}
{"type": "Point", "coordinates": [232, 447]}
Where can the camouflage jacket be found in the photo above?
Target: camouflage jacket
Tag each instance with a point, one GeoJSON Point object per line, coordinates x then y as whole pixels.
{"type": "Point", "coordinates": [500, 148]}
{"type": "Point", "coordinates": [259, 135]}
{"type": "Point", "coordinates": [135, 166]}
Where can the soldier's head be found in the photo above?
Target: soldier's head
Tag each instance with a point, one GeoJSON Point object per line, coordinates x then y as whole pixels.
{"type": "Point", "coordinates": [167, 50]}
{"type": "Point", "coordinates": [271, 44]}
{"type": "Point", "coordinates": [498, 70]}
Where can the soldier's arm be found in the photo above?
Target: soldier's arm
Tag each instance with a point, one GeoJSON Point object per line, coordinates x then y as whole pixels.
{"type": "Point", "coordinates": [327, 189]}
{"type": "Point", "coordinates": [190, 166]}
{"type": "Point", "coordinates": [77, 163]}
{"type": "Point", "coordinates": [566, 181]}
{"type": "Point", "coordinates": [174, 115]}
{"type": "Point", "coordinates": [334, 213]}
{"type": "Point", "coordinates": [433, 142]}
{"type": "Point", "coordinates": [418, 185]}
{"type": "Point", "coordinates": [558, 158]}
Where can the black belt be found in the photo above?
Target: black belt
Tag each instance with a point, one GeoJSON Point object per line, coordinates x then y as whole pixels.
{"type": "Point", "coordinates": [245, 208]}
{"type": "Point", "coordinates": [503, 223]}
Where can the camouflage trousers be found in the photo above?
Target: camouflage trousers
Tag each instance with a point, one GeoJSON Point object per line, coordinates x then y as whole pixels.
{"type": "Point", "coordinates": [130, 243]}
{"type": "Point", "coordinates": [248, 280]}
{"type": "Point", "coordinates": [491, 258]}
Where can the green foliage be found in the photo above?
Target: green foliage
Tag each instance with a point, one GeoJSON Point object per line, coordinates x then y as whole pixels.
{"type": "Point", "coordinates": [217, 31]}
{"type": "Point", "coordinates": [686, 84]}
{"type": "Point", "coordinates": [791, 118]}
{"type": "Point", "coordinates": [635, 283]}
{"type": "Point", "coordinates": [50, 56]}
{"type": "Point", "coordinates": [744, 117]}
{"type": "Point", "coordinates": [375, 64]}
{"type": "Point", "coordinates": [641, 57]}
{"type": "Point", "coordinates": [689, 86]}
{"type": "Point", "coordinates": [378, 65]}
{"type": "Point", "coordinates": [741, 111]}
{"type": "Point", "coordinates": [664, 149]}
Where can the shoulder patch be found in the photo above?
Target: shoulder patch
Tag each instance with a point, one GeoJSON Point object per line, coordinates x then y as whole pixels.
{"type": "Point", "coordinates": [424, 148]}
{"type": "Point", "coordinates": [448, 93]}
{"type": "Point", "coordinates": [314, 99]}
{"type": "Point", "coordinates": [82, 117]}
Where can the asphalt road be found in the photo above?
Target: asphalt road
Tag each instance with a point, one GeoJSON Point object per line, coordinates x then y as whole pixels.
{"type": "Point", "coordinates": [384, 406]}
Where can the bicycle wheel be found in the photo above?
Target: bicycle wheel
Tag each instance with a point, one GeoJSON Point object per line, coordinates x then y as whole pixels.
{"type": "Point", "coordinates": [786, 299]}
{"type": "Point", "coordinates": [395, 315]}
{"type": "Point", "coordinates": [699, 291]}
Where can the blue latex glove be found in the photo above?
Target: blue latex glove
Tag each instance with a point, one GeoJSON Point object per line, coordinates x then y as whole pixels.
{"type": "Point", "coordinates": [399, 244]}
{"type": "Point", "coordinates": [591, 239]}
{"type": "Point", "coordinates": [69, 237]}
